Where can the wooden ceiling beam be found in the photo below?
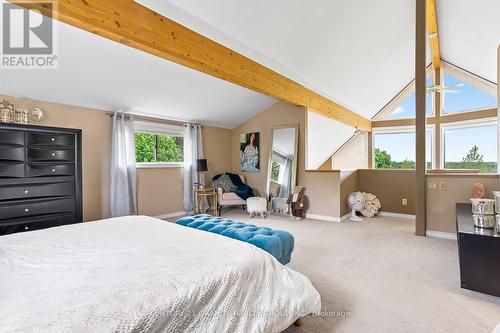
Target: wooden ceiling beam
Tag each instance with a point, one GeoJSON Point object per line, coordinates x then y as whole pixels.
{"type": "Point", "coordinates": [134, 25]}
{"type": "Point", "coordinates": [432, 31]}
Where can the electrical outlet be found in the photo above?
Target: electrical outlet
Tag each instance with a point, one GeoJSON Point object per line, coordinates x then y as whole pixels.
{"type": "Point", "coordinates": [432, 186]}
{"type": "Point", "coordinates": [443, 186]}
{"type": "Point", "coordinates": [404, 202]}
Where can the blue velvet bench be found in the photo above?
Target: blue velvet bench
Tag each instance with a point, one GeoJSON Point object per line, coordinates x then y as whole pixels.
{"type": "Point", "coordinates": [278, 243]}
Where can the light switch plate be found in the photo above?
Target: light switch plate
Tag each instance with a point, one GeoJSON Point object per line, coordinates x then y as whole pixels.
{"type": "Point", "coordinates": [443, 186]}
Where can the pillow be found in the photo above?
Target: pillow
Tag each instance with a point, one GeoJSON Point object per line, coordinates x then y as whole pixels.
{"type": "Point", "coordinates": [225, 183]}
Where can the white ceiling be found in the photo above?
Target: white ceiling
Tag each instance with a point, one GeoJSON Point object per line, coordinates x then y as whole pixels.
{"type": "Point", "coordinates": [358, 53]}
{"type": "Point", "coordinates": [97, 73]}
{"type": "Point", "coordinates": [470, 34]}
{"type": "Point", "coordinates": [338, 48]}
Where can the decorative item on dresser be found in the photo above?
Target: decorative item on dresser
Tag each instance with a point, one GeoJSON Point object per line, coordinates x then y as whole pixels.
{"type": "Point", "coordinates": [40, 177]}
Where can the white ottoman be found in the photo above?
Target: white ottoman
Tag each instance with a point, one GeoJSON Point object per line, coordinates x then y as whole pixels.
{"type": "Point", "coordinates": [257, 205]}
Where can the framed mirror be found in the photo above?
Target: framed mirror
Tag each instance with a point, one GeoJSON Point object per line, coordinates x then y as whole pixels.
{"type": "Point", "coordinates": [282, 166]}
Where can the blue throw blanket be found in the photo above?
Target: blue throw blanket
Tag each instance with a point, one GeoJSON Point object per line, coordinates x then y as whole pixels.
{"type": "Point", "coordinates": [242, 190]}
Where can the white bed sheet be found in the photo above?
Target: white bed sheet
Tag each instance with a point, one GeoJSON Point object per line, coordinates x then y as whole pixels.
{"type": "Point", "coordinates": [141, 274]}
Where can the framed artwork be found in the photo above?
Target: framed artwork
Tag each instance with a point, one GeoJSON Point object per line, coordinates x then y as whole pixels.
{"type": "Point", "coordinates": [250, 152]}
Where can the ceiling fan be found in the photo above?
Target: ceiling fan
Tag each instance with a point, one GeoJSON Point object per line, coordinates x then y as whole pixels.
{"type": "Point", "coordinates": [443, 89]}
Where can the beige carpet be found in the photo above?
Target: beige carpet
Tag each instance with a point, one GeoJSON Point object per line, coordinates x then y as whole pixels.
{"type": "Point", "coordinates": [385, 278]}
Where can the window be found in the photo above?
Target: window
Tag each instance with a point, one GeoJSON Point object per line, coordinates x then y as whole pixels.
{"type": "Point", "coordinates": [277, 168]}
{"type": "Point", "coordinates": [471, 146]}
{"type": "Point", "coordinates": [275, 171]}
{"type": "Point", "coordinates": [157, 145]}
{"type": "Point", "coordinates": [464, 97]}
{"type": "Point", "coordinates": [395, 148]}
{"type": "Point", "coordinates": [407, 108]}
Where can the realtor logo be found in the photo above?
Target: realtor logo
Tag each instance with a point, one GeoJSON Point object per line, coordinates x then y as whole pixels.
{"type": "Point", "coordinates": [27, 37]}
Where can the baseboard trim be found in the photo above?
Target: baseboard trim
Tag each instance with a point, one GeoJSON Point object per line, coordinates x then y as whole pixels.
{"type": "Point", "coordinates": [169, 215]}
{"type": "Point", "coordinates": [440, 234]}
{"type": "Point", "coordinates": [323, 217]}
{"type": "Point", "coordinates": [345, 217]}
{"type": "Point", "coordinates": [403, 216]}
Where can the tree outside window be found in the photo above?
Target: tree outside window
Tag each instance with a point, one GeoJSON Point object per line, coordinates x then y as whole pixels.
{"type": "Point", "coordinates": [151, 148]}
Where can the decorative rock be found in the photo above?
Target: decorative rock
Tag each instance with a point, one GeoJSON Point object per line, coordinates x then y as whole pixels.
{"type": "Point", "coordinates": [478, 191]}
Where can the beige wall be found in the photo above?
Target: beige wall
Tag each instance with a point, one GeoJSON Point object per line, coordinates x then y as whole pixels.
{"type": "Point", "coordinates": [390, 186]}
{"type": "Point", "coordinates": [321, 188]}
{"type": "Point", "coordinates": [217, 143]}
{"type": "Point", "coordinates": [441, 203]}
{"type": "Point", "coordinates": [348, 185]}
{"type": "Point", "coordinates": [96, 149]}
{"type": "Point", "coordinates": [159, 190]}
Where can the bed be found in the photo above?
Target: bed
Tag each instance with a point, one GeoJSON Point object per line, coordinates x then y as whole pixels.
{"type": "Point", "coordinates": [141, 274]}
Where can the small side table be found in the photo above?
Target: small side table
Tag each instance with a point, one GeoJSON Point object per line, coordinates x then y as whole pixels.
{"type": "Point", "coordinates": [199, 200]}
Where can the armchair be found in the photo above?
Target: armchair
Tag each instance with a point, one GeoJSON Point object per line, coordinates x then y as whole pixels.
{"type": "Point", "coordinates": [229, 198]}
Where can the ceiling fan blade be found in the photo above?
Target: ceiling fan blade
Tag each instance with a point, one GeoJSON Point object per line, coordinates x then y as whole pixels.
{"type": "Point", "coordinates": [451, 91]}
{"type": "Point", "coordinates": [454, 85]}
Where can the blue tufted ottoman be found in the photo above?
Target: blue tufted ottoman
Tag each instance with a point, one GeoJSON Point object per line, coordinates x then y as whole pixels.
{"type": "Point", "coordinates": [279, 243]}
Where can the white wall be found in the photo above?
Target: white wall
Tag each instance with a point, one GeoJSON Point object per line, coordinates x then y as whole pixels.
{"type": "Point", "coordinates": [324, 137]}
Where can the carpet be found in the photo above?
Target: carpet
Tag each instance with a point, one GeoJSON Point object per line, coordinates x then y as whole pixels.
{"type": "Point", "coordinates": [377, 276]}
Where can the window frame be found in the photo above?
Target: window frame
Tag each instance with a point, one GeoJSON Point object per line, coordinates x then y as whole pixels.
{"type": "Point", "coordinates": [404, 130]}
{"type": "Point", "coordinates": [470, 79]}
{"type": "Point", "coordinates": [158, 129]}
{"type": "Point", "coordinates": [402, 96]}
{"type": "Point", "coordinates": [466, 124]}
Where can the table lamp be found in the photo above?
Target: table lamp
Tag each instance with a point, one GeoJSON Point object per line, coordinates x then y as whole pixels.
{"type": "Point", "coordinates": [201, 166]}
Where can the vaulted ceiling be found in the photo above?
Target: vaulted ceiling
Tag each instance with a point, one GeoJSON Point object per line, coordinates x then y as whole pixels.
{"type": "Point", "coordinates": [358, 53]}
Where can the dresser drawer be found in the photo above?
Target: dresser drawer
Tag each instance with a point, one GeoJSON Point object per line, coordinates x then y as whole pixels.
{"type": "Point", "coordinates": [43, 170]}
{"type": "Point", "coordinates": [25, 208]}
{"type": "Point", "coordinates": [10, 137]}
{"type": "Point", "coordinates": [11, 170]}
{"type": "Point", "coordinates": [21, 191]}
{"type": "Point", "coordinates": [35, 223]}
{"type": "Point", "coordinates": [12, 154]}
{"type": "Point", "coordinates": [48, 139]}
{"type": "Point", "coordinates": [48, 154]}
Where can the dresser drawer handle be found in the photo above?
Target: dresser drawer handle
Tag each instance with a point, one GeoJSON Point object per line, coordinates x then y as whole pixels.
{"type": "Point", "coordinates": [53, 170]}
{"type": "Point", "coordinates": [26, 228]}
{"type": "Point", "coordinates": [26, 210]}
{"type": "Point", "coordinates": [53, 154]}
{"type": "Point", "coordinates": [26, 191]}
{"type": "Point", "coordinates": [52, 139]}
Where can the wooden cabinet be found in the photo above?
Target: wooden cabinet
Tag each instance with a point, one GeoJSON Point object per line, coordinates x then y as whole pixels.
{"type": "Point", "coordinates": [40, 177]}
{"type": "Point", "coordinates": [479, 254]}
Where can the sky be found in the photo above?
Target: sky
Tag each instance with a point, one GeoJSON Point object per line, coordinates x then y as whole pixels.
{"type": "Point", "coordinates": [458, 141]}
{"type": "Point", "coordinates": [401, 146]}
{"type": "Point", "coordinates": [468, 98]}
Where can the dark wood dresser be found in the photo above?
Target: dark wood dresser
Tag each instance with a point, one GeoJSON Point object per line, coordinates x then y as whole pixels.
{"type": "Point", "coordinates": [40, 177]}
{"type": "Point", "coordinates": [479, 254]}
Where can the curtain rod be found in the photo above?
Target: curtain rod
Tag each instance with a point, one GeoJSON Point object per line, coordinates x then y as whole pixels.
{"type": "Point", "coordinates": [154, 119]}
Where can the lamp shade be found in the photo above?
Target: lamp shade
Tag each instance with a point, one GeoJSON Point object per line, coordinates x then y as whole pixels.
{"type": "Point", "coordinates": [201, 164]}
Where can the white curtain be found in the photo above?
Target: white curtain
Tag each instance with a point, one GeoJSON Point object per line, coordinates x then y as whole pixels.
{"type": "Point", "coordinates": [286, 185]}
{"type": "Point", "coordinates": [193, 150]}
{"type": "Point", "coordinates": [123, 195]}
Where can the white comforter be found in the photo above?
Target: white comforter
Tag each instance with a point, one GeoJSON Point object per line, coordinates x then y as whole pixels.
{"type": "Point", "coordinates": [140, 274]}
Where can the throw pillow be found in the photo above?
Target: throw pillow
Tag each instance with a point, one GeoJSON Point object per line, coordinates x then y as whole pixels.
{"type": "Point", "coordinates": [224, 182]}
